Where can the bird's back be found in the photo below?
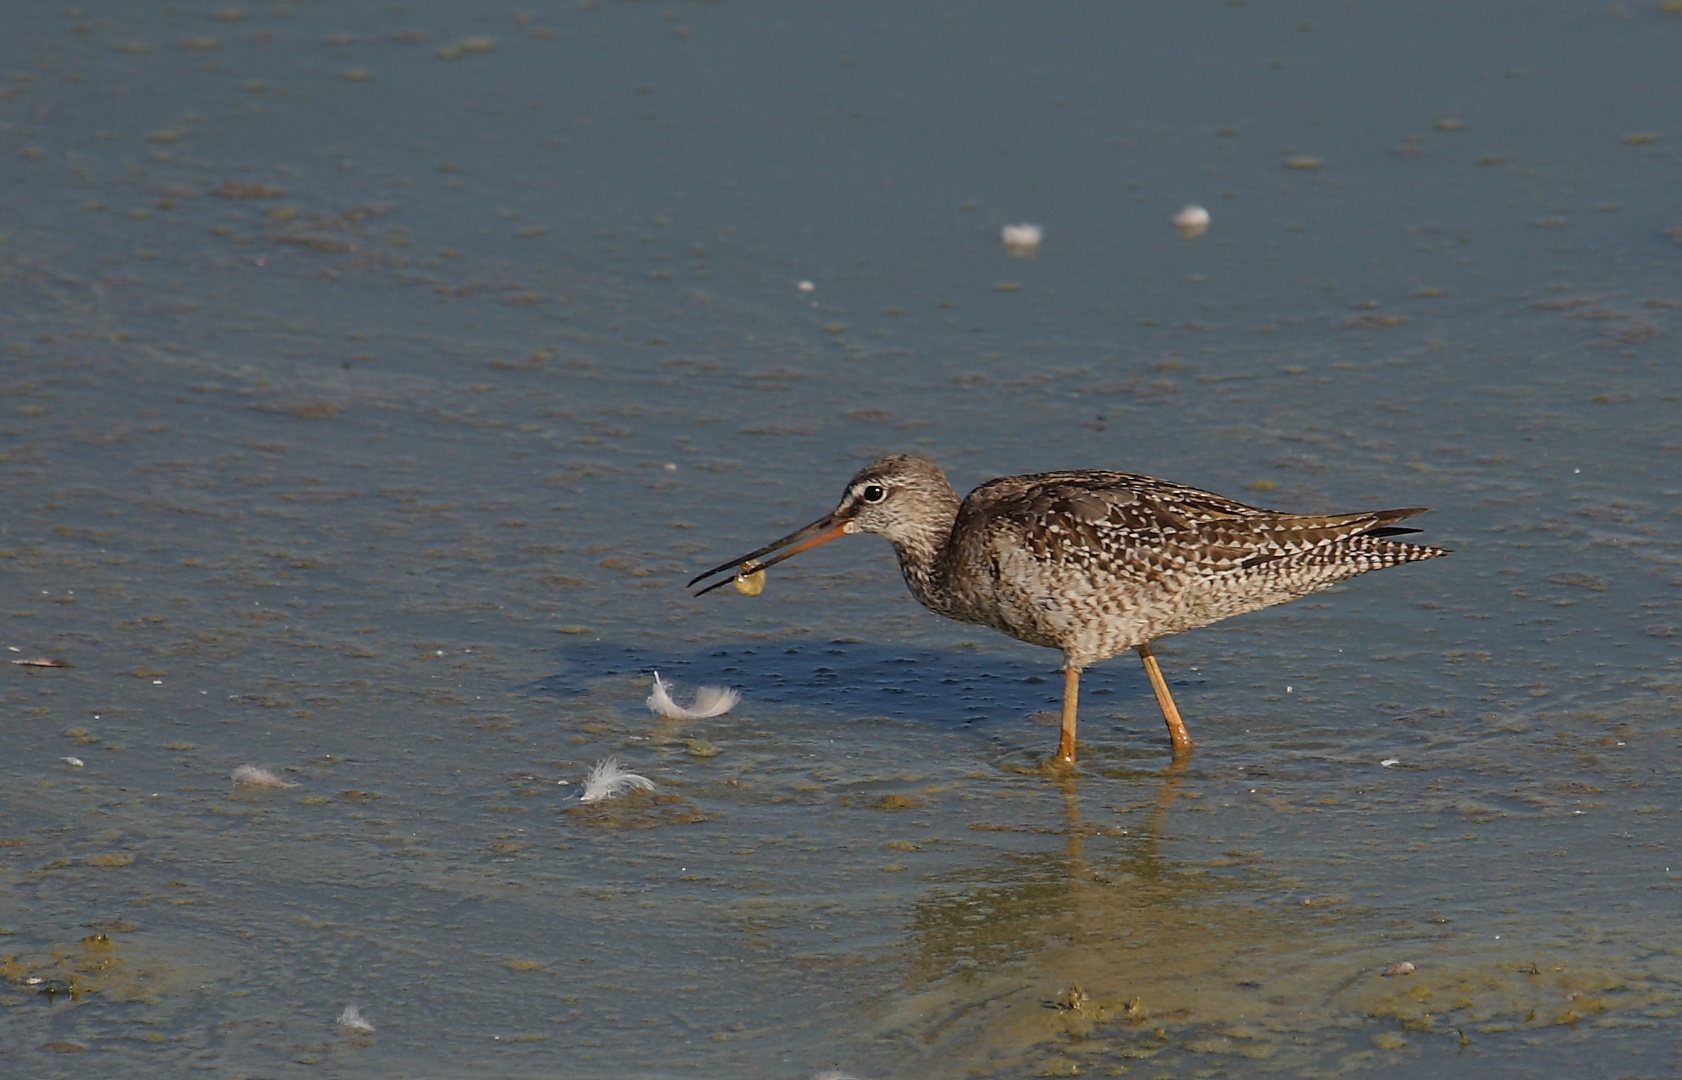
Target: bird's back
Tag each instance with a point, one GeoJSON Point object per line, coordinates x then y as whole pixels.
{"type": "Point", "coordinates": [1097, 562]}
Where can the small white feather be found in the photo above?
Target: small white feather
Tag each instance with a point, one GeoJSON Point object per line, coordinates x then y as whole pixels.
{"type": "Point", "coordinates": [833, 1074]}
{"type": "Point", "coordinates": [1192, 217]}
{"type": "Point", "coordinates": [73, 761]}
{"type": "Point", "coordinates": [610, 778]}
{"type": "Point", "coordinates": [1023, 236]}
{"type": "Point", "coordinates": [252, 776]}
{"type": "Point", "coordinates": [353, 1020]}
{"type": "Point", "coordinates": [710, 701]}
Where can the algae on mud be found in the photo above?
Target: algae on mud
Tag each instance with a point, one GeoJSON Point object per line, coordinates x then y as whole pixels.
{"type": "Point", "coordinates": [1053, 965]}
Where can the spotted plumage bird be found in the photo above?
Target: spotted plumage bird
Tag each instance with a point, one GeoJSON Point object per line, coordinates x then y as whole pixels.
{"type": "Point", "coordinates": [1093, 563]}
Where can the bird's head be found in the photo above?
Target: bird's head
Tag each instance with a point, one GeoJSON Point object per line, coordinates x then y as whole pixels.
{"type": "Point", "coordinates": [898, 497]}
{"type": "Point", "coordinates": [904, 498]}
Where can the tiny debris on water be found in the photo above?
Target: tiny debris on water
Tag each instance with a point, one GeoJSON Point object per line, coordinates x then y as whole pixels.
{"type": "Point", "coordinates": [1402, 968]}
{"type": "Point", "coordinates": [353, 1020]}
{"type": "Point", "coordinates": [701, 748]}
{"type": "Point", "coordinates": [41, 661]}
{"type": "Point", "coordinates": [255, 776]}
{"type": "Point", "coordinates": [610, 778]}
{"type": "Point", "coordinates": [1022, 239]}
{"type": "Point", "coordinates": [73, 762]}
{"type": "Point", "coordinates": [1072, 999]}
{"type": "Point", "coordinates": [710, 701]}
{"type": "Point", "coordinates": [1390, 762]}
{"type": "Point", "coordinates": [1193, 221]}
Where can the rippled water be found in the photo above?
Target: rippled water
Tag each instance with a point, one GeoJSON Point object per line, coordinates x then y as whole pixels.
{"type": "Point", "coordinates": [373, 377]}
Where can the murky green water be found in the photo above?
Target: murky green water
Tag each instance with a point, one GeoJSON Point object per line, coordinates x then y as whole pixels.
{"type": "Point", "coordinates": [373, 376]}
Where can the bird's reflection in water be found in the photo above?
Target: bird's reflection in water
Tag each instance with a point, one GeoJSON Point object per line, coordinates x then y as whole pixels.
{"type": "Point", "coordinates": [1057, 963]}
{"type": "Point", "coordinates": [1051, 963]}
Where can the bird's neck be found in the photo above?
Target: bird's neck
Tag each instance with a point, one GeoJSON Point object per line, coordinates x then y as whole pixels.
{"type": "Point", "coordinates": [922, 550]}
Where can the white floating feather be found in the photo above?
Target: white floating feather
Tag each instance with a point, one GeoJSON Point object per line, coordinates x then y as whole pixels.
{"type": "Point", "coordinates": [833, 1074]}
{"type": "Point", "coordinates": [73, 761]}
{"type": "Point", "coordinates": [353, 1020]}
{"type": "Point", "coordinates": [1022, 238]}
{"type": "Point", "coordinates": [610, 778]}
{"type": "Point", "coordinates": [252, 776]}
{"type": "Point", "coordinates": [1192, 222]}
{"type": "Point", "coordinates": [710, 701]}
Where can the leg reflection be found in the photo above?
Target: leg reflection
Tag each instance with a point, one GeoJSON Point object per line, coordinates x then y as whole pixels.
{"type": "Point", "coordinates": [1148, 857]}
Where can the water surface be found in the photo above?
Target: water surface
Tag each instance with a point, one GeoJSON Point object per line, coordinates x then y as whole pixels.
{"type": "Point", "coordinates": [373, 377]}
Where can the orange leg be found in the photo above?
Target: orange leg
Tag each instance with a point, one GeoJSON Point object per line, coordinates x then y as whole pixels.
{"type": "Point", "coordinates": [1071, 700]}
{"type": "Point", "coordinates": [1176, 726]}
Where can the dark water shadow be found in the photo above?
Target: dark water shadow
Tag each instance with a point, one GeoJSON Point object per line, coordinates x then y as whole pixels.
{"type": "Point", "coordinates": [857, 678]}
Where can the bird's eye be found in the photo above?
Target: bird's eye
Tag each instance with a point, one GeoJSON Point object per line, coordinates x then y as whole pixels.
{"type": "Point", "coordinates": [875, 493]}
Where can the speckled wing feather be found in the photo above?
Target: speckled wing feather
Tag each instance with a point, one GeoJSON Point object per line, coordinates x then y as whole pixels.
{"type": "Point", "coordinates": [1095, 562]}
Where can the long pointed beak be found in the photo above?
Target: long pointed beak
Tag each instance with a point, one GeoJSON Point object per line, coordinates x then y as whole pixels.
{"type": "Point", "coordinates": [821, 531]}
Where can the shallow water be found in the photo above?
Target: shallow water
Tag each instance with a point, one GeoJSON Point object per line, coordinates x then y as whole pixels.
{"type": "Point", "coordinates": [372, 378]}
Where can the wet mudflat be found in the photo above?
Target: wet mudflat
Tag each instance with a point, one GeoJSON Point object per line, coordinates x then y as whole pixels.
{"type": "Point", "coordinates": [371, 380]}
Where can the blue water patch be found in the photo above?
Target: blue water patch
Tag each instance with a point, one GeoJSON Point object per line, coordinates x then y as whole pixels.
{"type": "Point", "coordinates": [852, 677]}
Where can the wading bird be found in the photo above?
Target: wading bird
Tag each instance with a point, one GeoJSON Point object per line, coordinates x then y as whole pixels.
{"type": "Point", "coordinates": [1091, 563]}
